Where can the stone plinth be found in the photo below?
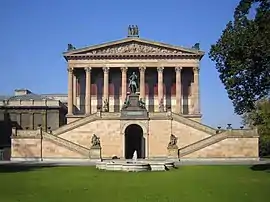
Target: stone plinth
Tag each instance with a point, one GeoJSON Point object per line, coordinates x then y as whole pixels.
{"type": "Point", "coordinates": [172, 152]}
{"type": "Point", "coordinates": [95, 153]}
{"type": "Point", "coordinates": [133, 110]}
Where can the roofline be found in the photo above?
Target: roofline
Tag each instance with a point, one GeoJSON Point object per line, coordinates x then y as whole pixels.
{"type": "Point", "coordinates": [128, 39]}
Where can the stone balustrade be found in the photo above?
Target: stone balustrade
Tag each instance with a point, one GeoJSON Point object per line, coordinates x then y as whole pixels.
{"type": "Point", "coordinates": [25, 133]}
{"type": "Point", "coordinates": [194, 124]}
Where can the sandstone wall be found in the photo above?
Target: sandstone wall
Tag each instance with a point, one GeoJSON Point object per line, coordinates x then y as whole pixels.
{"type": "Point", "coordinates": [160, 131]}
{"type": "Point", "coordinates": [107, 130]}
{"type": "Point", "coordinates": [111, 133]}
{"type": "Point", "coordinates": [25, 148]}
{"type": "Point", "coordinates": [229, 148]}
{"type": "Point", "coordinates": [31, 148]}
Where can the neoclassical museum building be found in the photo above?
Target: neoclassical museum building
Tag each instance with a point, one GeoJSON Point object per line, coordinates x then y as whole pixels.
{"type": "Point", "coordinates": [132, 95]}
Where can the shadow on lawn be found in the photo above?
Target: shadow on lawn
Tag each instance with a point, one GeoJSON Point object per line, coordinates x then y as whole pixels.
{"type": "Point", "coordinates": [261, 167]}
{"type": "Point", "coordinates": [21, 167]}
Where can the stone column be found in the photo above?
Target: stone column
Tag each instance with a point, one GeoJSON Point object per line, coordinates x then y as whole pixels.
{"type": "Point", "coordinates": [196, 91]}
{"type": "Point", "coordinates": [179, 106]}
{"type": "Point", "coordinates": [124, 83]}
{"type": "Point", "coordinates": [160, 84]}
{"type": "Point", "coordinates": [88, 90]}
{"type": "Point", "coordinates": [75, 89]}
{"type": "Point", "coordinates": [70, 91]}
{"type": "Point", "coordinates": [142, 82]}
{"type": "Point", "coordinates": [106, 83]}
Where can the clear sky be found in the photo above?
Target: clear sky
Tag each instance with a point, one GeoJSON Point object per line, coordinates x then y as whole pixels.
{"type": "Point", "coordinates": [34, 33]}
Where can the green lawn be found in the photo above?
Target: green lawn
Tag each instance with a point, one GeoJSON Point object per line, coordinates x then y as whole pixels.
{"type": "Point", "coordinates": [187, 183]}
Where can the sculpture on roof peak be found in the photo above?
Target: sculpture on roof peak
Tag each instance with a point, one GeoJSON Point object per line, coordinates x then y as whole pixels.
{"type": "Point", "coordinates": [133, 30]}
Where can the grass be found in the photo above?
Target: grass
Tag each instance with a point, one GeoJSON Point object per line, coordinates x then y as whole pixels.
{"type": "Point", "coordinates": [187, 183]}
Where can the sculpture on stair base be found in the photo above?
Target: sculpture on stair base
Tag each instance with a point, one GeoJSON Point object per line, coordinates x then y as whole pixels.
{"type": "Point", "coordinates": [95, 141]}
{"type": "Point", "coordinates": [172, 147]}
{"type": "Point", "coordinates": [95, 149]}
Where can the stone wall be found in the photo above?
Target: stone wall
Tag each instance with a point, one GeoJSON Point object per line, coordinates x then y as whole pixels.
{"type": "Point", "coordinates": [26, 148]}
{"type": "Point", "coordinates": [108, 131]}
{"type": "Point", "coordinates": [229, 148]}
{"type": "Point", "coordinates": [156, 133]}
{"type": "Point", "coordinates": [30, 148]}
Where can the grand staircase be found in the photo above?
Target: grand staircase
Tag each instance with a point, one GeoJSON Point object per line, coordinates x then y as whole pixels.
{"type": "Point", "coordinates": [194, 124]}
{"type": "Point", "coordinates": [202, 144]}
{"type": "Point", "coordinates": [214, 135]}
{"type": "Point", "coordinates": [76, 124]}
{"type": "Point", "coordinates": [66, 143]}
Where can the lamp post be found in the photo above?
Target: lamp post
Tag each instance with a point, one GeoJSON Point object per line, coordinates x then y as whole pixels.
{"type": "Point", "coordinates": [229, 126]}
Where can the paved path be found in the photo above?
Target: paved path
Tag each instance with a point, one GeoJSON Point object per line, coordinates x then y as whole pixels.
{"type": "Point", "coordinates": [92, 163]}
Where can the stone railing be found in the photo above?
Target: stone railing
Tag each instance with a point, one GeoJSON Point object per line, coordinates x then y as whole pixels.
{"type": "Point", "coordinates": [76, 124]}
{"type": "Point", "coordinates": [159, 115]}
{"type": "Point", "coordinates": [25, 133]}
{"type": "Point", "coordinates": [194, 124]}
{"type": "Point", "coordinates": [66, 143]}
{"type": "Point", "coordinates": [93, 117]}
{"type": "Point", "coordinates": [243, 133]}
{"type": "Point", "coordinates": [110, 115]}
{"type": "Point", "coordinates": [202, 144]}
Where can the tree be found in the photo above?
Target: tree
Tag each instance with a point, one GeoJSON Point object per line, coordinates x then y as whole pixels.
{"type": "Point", "coordinates": [242, 55]}
{"type": "Point", "coordinates": [260, 118]}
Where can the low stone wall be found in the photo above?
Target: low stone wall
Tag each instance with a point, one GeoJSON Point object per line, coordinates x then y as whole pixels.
{"type": "Point", "coordinates": [37, 148]}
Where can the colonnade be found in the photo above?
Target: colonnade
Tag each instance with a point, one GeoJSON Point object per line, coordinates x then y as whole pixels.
{"type": "Point", "coordinates": [72, 87]}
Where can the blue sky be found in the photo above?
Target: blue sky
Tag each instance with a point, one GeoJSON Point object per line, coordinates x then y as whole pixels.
{"type": "Point", "coordinates": [34, 33]}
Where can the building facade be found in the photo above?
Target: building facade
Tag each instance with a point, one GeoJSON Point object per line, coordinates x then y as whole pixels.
{"type": "Point", "coordinates": [168, 87]}
{"type": "Point", "coordinates": [168, 77]}
{"type": "Point", "coordinates": [26, 111]}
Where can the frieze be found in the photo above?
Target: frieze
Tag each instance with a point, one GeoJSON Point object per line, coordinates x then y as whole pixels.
{"type": "Point", "coordinates": [134, 48]}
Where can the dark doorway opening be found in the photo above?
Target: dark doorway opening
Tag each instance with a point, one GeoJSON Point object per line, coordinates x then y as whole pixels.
{"type": "Point", "coordinates": [134, 140]}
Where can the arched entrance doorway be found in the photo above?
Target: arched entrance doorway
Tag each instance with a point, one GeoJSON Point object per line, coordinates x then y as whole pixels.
{"type": "Point", "coordinates": [134, 140]}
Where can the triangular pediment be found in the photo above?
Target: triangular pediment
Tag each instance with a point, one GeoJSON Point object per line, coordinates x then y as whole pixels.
{"type": "Point", "coordinates": [133, 46]}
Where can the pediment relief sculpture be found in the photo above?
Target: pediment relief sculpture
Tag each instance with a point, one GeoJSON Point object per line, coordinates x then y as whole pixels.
{"type": "Point", "coordinates": [134, 48]}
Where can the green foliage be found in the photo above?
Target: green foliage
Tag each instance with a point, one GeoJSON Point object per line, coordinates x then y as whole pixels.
{"type": "Point", "coordinates": [242, 55]}
{"type": "Point", "coordinates": [260, 118]}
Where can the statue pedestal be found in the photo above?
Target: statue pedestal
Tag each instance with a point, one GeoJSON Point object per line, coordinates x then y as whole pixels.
{"type": "Point", "coordinates": [95, 153]}
{"type": "Point", "coordinates": [133, 110]}
{"type": "Point", "coordinates": [172, 152]}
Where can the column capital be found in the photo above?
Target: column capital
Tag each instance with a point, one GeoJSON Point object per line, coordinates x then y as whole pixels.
{"type": "Point", "coordinates": [160, 69]}
{"type": "Point", "coordinates": [70, 69]}
{"type": "Point", "coordinates": [142, 68]}
{"type": "Point", "coordinates": [196, 69]}
{"type": "Point", "coordinates": [88, 69]}
{"type": "Point", "coordinates": [124, 69]}
{"type": "Point", "coordinates": [178, 69]}
{"type": "Point", "coordinates": [106, 69]}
